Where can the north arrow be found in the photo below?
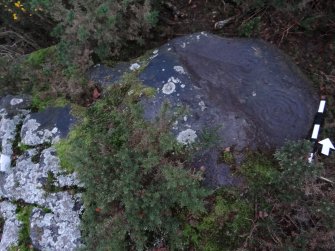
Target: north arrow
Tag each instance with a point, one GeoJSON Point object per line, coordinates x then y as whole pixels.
{"type": "Point", "coordinates": [326, 146]}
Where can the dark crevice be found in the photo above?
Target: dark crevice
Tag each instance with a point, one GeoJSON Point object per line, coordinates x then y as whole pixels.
{"type": "Point", "coordinates": [50, 187]}
{"type": "Point", "coordinates": [17, 150]}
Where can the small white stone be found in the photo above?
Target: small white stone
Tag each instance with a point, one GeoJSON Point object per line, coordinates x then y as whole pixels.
{"type": "Point", "coordinates": [254, 94]}
{"type": "Point", "coordinates": [182, 86]}
{"type": "Point", "coordinates": [183, 45]}
{"type": "Point", "coordinates": [198, 37]}
{"type": "Point", "coordinates": [16, 101]}
{"type": "Point", "coordinates": [169, 49]}
{"type": "Point", "coordinates": [187, 137]}
{"type": "Point", "coordinates": [185, 118]}
{"type": "Point", "coordinates": [179, 69]}
{"type": "Point", "coordinates": [155, 52]}
{"type": "Point", "coordinates": [134, 67]}
{"type": "Point", "coordinates": [163, 69]}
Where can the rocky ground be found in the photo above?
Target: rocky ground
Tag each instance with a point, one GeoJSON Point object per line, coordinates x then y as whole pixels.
{"type": "Point", "coordinates": [31, 178]}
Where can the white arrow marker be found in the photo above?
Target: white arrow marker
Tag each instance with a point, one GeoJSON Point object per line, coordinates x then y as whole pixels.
{"type": "Point", "coordinates": [326, 146]}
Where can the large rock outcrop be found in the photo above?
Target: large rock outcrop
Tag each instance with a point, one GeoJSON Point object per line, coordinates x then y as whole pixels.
{"type": "Point", "coordinates": [245, 90]}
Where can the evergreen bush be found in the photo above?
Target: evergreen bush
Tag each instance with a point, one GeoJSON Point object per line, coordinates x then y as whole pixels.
{"type": "Point", "coordinates": [137, 185]}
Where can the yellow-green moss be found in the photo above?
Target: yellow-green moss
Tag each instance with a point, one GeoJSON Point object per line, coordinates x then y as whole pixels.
{"type": "Point", "coordinates": [37, 58]}
{"type": "Point", "coordinates": [222, 227]}
{"type": "Point", "coordinates": [259, 169]}
{"type": "Point", "coordinates": [40, 104]}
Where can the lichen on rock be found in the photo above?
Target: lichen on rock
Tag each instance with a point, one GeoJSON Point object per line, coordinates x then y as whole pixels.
{"type": "Point", "coordinates": [11, 228]}
{"type": "Point", "coordinates": [187, 137]}
{"type": "Point", "coordinates": [55, 219]}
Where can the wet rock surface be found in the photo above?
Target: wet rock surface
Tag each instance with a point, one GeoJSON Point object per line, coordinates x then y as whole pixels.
{"type": "Point", "coordinates": [244, 90]}
{"type": "Point", "coordinates": [27, 179]}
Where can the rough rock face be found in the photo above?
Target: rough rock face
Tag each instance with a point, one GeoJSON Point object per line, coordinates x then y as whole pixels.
{"type": "Point", "coordinates": [47, 126]}
{"type": "Point", "coordinates": [28, 178]}
{"type": "Point", "coordinates": [245, 90]}
{"type": "Point", "coordinates": [12, 225]}
{"type": "Point", "coordinates": [249, 88]}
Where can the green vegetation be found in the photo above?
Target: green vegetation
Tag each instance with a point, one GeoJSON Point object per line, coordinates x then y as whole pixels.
{"type": "Point", "coordinates": [39, 57]}
{"type": "Point", "coordinates": [135, 191]}
{"type": "Point", "coordinates": [224, 226]}
{"type": "Point", "coordinates": [286, 199]}
{"type": "Point", "coordinates": [50, 183]}
{"type": "Point", "coordinates": [227, 157]}
{"type": "Point", "coordinates": [38, 104]}
{"type": "Point", "coordinates": [282, 207]}
{"type": "Point", "coordinates": [250, 27]}
{"type": "Point", "coordinates": [23, 215]}
{"type": "Point", "coordinates": [140, 191]}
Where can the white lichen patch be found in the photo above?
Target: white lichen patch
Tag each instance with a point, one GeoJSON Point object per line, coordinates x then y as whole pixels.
{"type": "Point", "coordinates": [174, 80]}
{"type": "Point", "coordinates": [202, 105]}
{"type": "Point", "coordinates": [135, 67]}
{"type": "Point", "coordinates": [11, 228]}
{"type": "Point", "coordinates": [4, 162]}
{"type": "Point", "coordinates": [32, 136]}
{"type": "Point", "coordinates": [16, 101]}
{"type": "Point", "coordinates": [25, 182]}
{"type": "Point", "coordinates": [179, 69]}
{"type": "Point", "coordinates": [187, 137]}
{"type": "Point", "coordinates": [7, 133]}
{"type": "Point", "coordinates": [169, 88]}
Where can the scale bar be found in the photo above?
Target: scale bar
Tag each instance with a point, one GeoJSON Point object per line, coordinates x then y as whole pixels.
{"type": "Point", "coordinates": [315, 131]}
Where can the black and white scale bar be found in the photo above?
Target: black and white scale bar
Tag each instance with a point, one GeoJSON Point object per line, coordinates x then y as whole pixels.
{"type": "Point", "coordinates": [319, 117]}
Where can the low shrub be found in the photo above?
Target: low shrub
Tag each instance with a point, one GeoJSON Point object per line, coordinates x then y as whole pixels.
{"type": "Point", "coordinates": [291, 204]}
{"type": "Point", "coordinates": [137, 185]}
{"type": "Point", "coordinates": [100, 27]}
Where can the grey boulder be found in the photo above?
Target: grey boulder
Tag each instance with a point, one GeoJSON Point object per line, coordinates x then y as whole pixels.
{"type": "Point", "coordinates": [245, 91]}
